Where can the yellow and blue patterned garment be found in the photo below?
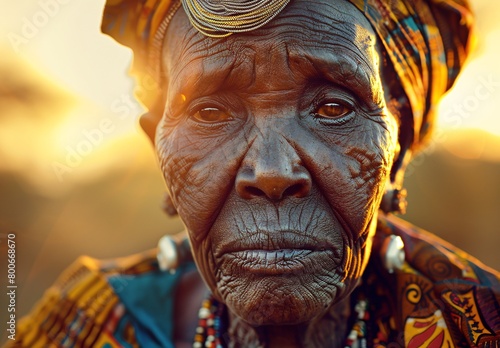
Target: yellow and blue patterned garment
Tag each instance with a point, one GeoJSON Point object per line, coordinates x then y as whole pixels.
{"type": "Point", "coordinates": [426, 42]}
{"type": "Point", "coordinates": [126, 302]}
{"type": "Point", "coordinates": [442, 297]}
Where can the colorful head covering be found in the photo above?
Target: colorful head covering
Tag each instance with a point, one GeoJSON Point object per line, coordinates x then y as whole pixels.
{"type": "Point", "coordinates": [425, 41]}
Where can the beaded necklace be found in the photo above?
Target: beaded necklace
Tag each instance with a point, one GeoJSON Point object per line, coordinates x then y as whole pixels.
{"type": "Point", "coordinates": [359, 332]}
{"type": "Point", "coordinates": [208, 332]}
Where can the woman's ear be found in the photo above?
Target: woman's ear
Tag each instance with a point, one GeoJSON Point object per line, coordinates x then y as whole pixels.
{"type": "Point", "coordinates": [394, 199]}
{"type": "Point", "coordinates": [149, 121]}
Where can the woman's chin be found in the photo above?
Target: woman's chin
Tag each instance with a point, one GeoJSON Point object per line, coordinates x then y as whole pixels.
{"type": "Point", "coordinates": [281, 301]}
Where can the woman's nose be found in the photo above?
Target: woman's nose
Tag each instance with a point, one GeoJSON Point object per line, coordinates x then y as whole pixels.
{"type": "Point", "coordinates": [272, 168]}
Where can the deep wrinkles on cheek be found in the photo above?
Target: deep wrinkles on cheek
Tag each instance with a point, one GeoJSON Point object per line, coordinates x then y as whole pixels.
{"type": "Point", "coordinates": [368, 168]}
{"type": "Point", "coordinates": [346, 208]}
{"type": "Point", "coordinates": [372, 157]}
{"type": "Point", "coordinates": [206, 263]}
{"type": "Point", "coordinates": [363, 170]}
{"type": "Point", "coordinates": [175, 163]}
{"type": "Point", "coordinates": [175, 169]}
{"type": "Point", "coordinates": [198, 183]}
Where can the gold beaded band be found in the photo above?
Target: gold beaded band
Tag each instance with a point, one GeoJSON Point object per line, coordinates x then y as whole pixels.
{"type": "Point", "coordinates": [215, 18]}
{"type": "Point", "coordinates": [155, 52]}
{"type": "Point", "coordinates": [221, 18]}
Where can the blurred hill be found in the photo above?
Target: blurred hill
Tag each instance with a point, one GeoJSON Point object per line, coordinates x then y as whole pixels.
{"type": "Point", "coordinates": [454, 192]}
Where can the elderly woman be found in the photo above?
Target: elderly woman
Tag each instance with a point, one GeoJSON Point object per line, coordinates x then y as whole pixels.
{"type": "Point", "coordinates": [283, 129]}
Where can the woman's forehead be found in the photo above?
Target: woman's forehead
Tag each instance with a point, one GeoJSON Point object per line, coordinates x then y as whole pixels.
{"type": "Point", "coordinates": [300, 20]}
{"type": "Point", "coordinates": [303, 33]}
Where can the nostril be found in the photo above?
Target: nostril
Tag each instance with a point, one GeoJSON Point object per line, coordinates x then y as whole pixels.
{"type": "Point", "coordinates": [272, 184]}
{"type": "Point", "coordinates": [294, 190]}
{"type": "Point", "coordinates": [254, 191]}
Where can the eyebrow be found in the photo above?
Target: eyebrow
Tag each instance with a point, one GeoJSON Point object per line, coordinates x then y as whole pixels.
{"type": "Point", "coordinates": [202, 82]}
{"type": "Point", "coordinates": [349, 71]}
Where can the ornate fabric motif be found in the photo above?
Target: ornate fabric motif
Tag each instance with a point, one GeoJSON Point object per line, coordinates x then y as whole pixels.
{"type": "Point", "coordinates": [84, 307]}
{"type": "Point", "coordinates": [444, 297]}
{"type": "Point", "coordinates": [426, 42]}
{"type": "Point", "coordinates": [81, 311]}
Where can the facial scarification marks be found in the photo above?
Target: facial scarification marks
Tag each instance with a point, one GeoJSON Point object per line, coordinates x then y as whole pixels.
{"type": "Point", "coordinates": [365, 169]}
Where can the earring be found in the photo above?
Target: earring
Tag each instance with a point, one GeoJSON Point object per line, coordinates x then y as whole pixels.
{"type": "Point", "coordinates": [172, 253]}
{"type": "Point", "coordinates": [392, 253]}
{"type": "Point", "coordinates": [168, 257]}
{"type": "Point", "coordinates": [394, 201]}
{"type": "Point", "coordinates": [168, 206]}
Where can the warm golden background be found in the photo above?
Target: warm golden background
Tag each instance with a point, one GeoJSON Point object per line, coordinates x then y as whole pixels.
{"type": "Point", "coordinates": [63, 83]}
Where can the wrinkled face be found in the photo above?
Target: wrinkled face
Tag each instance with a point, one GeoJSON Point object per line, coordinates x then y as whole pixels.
{"type": "Point", "coordinates": [276, 146]}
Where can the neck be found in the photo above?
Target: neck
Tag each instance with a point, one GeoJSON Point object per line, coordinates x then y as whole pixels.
{"type": "Point", "coordinates": [328, 330]}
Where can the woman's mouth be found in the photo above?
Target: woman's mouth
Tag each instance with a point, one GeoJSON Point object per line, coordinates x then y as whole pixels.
{"type": "Point", "coordinates": [276, 262]}
{"type": "Point", "coordinates": [277, 253]}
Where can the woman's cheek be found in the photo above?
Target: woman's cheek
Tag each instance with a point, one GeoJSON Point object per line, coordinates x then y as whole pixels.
{"type": "Point", "coordinates": [199, 179]}
{"type": "Point", "coordinates": [199, 174]}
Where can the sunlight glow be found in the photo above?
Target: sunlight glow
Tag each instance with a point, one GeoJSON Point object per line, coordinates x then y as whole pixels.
{"type": "Point", "coordinates": [473, 101]}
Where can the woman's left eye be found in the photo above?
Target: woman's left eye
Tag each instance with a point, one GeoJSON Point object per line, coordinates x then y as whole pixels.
{"type": "Point", "coordinates": [211, 115]}
{"type": "Point", "coordinates": [333, 110]}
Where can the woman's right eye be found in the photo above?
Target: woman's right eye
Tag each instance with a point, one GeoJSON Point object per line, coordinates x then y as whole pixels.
{"type": "Point", "coordinates": [211, 115]}
{"type": "Point", "coordinates": [333, 110]}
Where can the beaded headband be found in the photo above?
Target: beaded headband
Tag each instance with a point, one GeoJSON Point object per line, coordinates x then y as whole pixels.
{"type": "Point", "coordinates": [224, 17]}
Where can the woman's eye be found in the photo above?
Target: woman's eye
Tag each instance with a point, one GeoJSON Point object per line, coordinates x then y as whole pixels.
{"type": "Point", "coordinates": [211, 115]}
{"type": "Point", "coordinates": [332, 110]}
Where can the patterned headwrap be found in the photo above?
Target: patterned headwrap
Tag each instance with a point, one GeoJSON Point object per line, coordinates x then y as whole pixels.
{"type": "Point", "coordinates": [425, 41]}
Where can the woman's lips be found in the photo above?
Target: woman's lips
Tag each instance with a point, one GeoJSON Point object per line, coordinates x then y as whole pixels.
{"type": "Point", "coordinates": [275, 262]}
{"type": "Point", "coordinates": [277, 252]}
{"type": "Point", "coordinates": [273, 241]}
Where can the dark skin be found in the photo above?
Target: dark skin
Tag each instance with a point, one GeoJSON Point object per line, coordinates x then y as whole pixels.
{"type": "Point", "coordinates": [276, 147]}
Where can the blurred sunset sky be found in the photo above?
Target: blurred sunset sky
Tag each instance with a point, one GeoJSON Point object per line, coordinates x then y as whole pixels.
{"type": "Point", "coordinates": [77, 176]}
